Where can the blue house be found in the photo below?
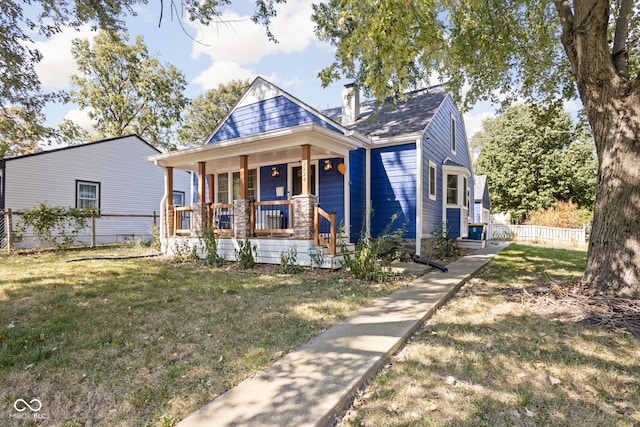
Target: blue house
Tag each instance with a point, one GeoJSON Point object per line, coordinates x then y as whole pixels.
{"type": "Point", "coordinates": [283, 174]}
{"type": "Point", "coordinates": [482, 209]}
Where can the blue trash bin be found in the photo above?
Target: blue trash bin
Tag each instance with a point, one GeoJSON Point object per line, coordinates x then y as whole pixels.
{"type": "Point", "coordinates": [476, 231]}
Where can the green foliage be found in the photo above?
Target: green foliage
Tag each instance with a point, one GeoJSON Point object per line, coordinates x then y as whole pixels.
{"type": "Point", "coordinates": [317, 257]}
{"type": "Point", "coordinates": [55, 225]}
{"type": "Point", "coordinates": [184, 252]}
{"type": "Point", "coordinates": [126, 90]}
{"type": "Point", "coordinates": [245, 255]}
{"type": "Point", "coordinates": [444, 245]}
{"type": "Point", "coordinates": [210, 248]}
{"type": "Point", "coordinates": [534, 156]}
{"type": "Point", "coordinates": [155, 233]}
{"type": "Point", "coordinates": [207, 110]}
{"type": "Point", "coordinates": [368, 263]}
{"type": "Point", "coordinates": [562, 215]}
{"type": "Point", "coordinates": [20, 131]}
{"type": "Point", "coordinates": [289, 261]}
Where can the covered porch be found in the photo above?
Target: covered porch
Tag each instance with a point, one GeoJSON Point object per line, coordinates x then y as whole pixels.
{"type": "Point", "coordinates": [282, 189]}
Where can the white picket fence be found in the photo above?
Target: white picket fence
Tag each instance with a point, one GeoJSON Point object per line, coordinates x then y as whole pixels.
{"type": "Point", "coordinates": [536, 233]}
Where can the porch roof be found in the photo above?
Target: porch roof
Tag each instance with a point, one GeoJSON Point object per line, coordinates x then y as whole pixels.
{"type": "Point", "coordinates": [273, 147]}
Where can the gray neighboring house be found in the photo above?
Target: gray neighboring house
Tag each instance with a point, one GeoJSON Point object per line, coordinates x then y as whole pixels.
{"type": "Point", "coordinates": [110, 175]}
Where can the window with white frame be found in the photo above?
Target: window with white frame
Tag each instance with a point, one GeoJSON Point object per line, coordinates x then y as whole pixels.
{"type": "Point", "coordinates": [465, 192]}
{"type": "Point", "coordinates": [178, 198]}
{"type": "Point", "coordinates": [229, 184]}
{"type": "Point", "coordinates": [453, 134]}
{"type": "Point", "coordinates": [452, 189]}
{"type": "Point", "coordinates": [87, 195]}
{"type": "Point", "coordinates": [432, 180]}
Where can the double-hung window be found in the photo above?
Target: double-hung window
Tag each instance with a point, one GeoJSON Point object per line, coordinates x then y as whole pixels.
{"type": "Point", "coordinates": [87, 195]}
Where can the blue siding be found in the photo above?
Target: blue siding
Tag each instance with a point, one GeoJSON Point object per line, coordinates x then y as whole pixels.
{"type": "Point", "coordinates": [270, 114]}
{"type": "Point", "coordinates": [268, 186]}
{"type": "Point", "coordinates": [393, 188]}
{"type": "Point", "coordinates": [357, 191]}
{"type": "Point", "coordinates": [453, 222]}
{"type": "Point", "coordinates": [331, 191]}
{"type": "Point", "coordinates": [437, 147]}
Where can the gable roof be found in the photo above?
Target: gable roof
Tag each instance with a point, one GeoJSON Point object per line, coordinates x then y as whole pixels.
{"type": "Point", "coordinates": [265, 107]}
{"type": "Point", "coordinates": [408, 116]}
{"type": "Point", "coordinates": [479, 185]}
{"type": "Point", "coordinates": [72, 147]}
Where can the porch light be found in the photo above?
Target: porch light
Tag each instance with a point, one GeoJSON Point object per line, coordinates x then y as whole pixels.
{"type": "Point", "coordinates": [275, 171]}
{"type": "Point", "coordinates": [328, 165]}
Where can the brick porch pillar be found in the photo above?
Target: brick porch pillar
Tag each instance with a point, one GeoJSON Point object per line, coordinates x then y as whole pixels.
{"type": "Point", "coordinates": [303, 215]}
{"type": "Point", "coordinates": [241, 219]}
{"type": "Point", "coordinates": [169, 221]}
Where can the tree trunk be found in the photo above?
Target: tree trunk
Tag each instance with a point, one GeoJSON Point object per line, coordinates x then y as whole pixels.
{"type": "Point", "coordinates": [612, 105]}
{"type": "Point", "coordinates": [613, 261]}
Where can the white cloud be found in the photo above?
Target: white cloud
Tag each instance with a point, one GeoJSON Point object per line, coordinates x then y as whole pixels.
{"type": "Point", "coordinates": [223, 72]}
{"type": "Point", "coordinates": [473, 119]}
{"type": "Point", "coordinates": [81, 118]}
{"type": "Point", "coordinates": [57, 63]}
{"type": "Point", "coordinates": [236, 42]}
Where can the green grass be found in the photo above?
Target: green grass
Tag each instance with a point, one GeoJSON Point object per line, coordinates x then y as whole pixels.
{"type": "Point", "coordinates": [138, 342]}
{"type": "Point", "coordinates": [491, 357]}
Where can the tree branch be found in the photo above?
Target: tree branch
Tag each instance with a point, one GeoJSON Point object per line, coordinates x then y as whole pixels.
{"type": "Point", "coordinates": [566, 15]}
{"type": "Point", "coordinates": [619, 52]}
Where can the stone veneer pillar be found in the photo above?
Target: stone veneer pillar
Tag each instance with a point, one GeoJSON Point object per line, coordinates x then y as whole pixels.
{"type": "Point", "coordinates": [241, 219]}
{"type": "Point", "coordinates": [303, 207]}
{"type": "Point", "coordinates": [198, 219]}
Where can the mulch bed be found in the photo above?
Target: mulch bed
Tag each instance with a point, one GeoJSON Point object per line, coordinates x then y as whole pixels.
{"type": "Point", "coordinates": [570, 300]}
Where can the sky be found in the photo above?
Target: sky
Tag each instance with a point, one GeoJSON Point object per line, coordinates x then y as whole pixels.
{"type": "Point", "coordinates": [235, 48]}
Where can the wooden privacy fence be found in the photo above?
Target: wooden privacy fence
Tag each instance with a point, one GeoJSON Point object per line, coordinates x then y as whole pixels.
{"type": "Point", "coordinates": [536, 233]}
{"type": "Point", "coordinates": [101, 229]}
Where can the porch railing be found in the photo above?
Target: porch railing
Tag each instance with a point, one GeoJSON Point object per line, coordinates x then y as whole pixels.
{"type": "Point", "coordinates": [273, 217]}
{"type": "Point", "coordinates": [182, 220]}
{"type": "Point", "coordinates": [220, 217]}
{"type": "Point", "coordinates": [324, 229]}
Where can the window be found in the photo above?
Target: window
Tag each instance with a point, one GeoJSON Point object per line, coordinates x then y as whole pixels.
{"type": "Point", "coordinates": [252, 184]}
{"type": "Point", "coordinates": [223, 188]}
{"type": "Point", "coordinates": [432, 181]}
{"type": "Point", "coordinates": [178, 198]}
{"type": "Point", "coordinates": [465, 193]}
{"type": "Point", "coordinates": [453, 134]}
{"type": "Point", "coordinates": [452, 189]}
{"type": "Point", "coordinates": [87, 195]}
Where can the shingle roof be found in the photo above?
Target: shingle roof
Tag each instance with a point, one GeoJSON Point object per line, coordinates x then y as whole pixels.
{"type": "Point", "coordinates": [393, 119]}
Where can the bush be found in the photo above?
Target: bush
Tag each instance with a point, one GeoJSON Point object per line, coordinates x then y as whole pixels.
{"type": "Point", "coordinates": [289, 261]}
{"type": "Point", "coordinates": [210, 248]}
{"type": "Point", "coordinates": [245, 255]}
{"type": "Point", "coordinates": [444, 245]}
{"type": "Point", "coordinates": [561, 215]}
{"type": "Point", "coordinates": [183, 252]}
{"type": "Point", "coordinates": [55, 225]}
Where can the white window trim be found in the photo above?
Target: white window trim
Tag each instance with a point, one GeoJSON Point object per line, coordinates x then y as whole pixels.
{"type": "Point", "coordinates": [290, 167]}
{"type": "Point", "coordinates": [435, 178]}
{"type": "Point", "coordinates": [93, 183]}
{"type": "Point", "coordinates": [229, 175]}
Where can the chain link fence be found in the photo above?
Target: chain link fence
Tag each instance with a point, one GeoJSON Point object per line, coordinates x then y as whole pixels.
{"type": "Point", "coordinates": [101, 229]}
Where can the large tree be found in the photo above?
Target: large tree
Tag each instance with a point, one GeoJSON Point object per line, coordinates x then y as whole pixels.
{"type": "Point", "coordinates": [20, 88]}
{"type": "Point", "coordinates": [535, 157]}
{"type": "Point", "coordinates": [206, 111]}
{"type": "Point", "coordinates": [126, 90]}
{"type": "Point", "coordinates": [542, 50]}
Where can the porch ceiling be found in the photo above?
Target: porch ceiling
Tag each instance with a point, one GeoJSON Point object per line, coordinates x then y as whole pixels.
{"type": "Point", "coordinates": [281, 146]}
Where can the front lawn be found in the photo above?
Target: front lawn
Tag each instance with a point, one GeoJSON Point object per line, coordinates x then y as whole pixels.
{"type": "Point", "coordinates": [138, 342]}
{"type": "Point", "coordinates": [507, 351]}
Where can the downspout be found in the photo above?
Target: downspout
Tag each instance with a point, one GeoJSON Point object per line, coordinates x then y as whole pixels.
{"type": "Point", "coordinates": [419, 193]}
{"type": "Point", "coordinates": [367, 191]}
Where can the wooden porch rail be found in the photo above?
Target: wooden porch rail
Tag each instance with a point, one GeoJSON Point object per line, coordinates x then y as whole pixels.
{"type": "Point", "coordinates": [178, 218]}
{"type": "Point", "coordinates": [267, 222]}
{"type": "Point", "coordinates": [319, 238]}
{"type": "Point", "coordinates": [220, 217]}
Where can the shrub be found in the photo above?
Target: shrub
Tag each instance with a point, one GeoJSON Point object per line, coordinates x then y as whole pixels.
{"type": "Point", "coordinates": [210, 248]}
{"type": "Point", "coordinates": [183, 252]}
{"type": "Point", "coordinates": [289, 261]}
{"type": "Point", "coordinates": [245, 255]}
{"type": "Point", "coordinates": [444, 245]}
{"type": "Point", "coordinates": [561, 215]}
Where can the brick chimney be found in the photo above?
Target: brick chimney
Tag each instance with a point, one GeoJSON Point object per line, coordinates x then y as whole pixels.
{"type": "Point", "coordinates": [350, 103]}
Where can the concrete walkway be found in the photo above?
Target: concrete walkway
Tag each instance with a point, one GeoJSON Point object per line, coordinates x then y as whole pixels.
{"type": "Point", "coordinates": [313, 384]}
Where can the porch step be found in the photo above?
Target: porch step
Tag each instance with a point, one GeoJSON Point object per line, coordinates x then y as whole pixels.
{"type": "Point", "coordinates": [470, 244]}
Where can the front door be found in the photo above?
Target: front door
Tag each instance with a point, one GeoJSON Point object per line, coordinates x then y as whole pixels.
{"type": "Point", "coordinates": [297, 180]}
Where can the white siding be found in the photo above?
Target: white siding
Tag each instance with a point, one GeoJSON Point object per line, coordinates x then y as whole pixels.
{"type": "Point", "coordinates": [128, 183]}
